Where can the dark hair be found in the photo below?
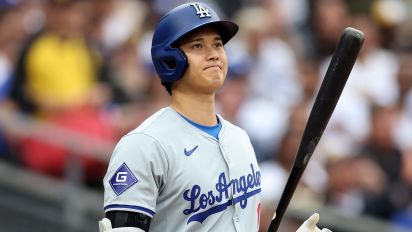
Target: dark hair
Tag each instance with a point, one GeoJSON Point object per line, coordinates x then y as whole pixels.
{"type": "Point", "coordinates": [168, 86]}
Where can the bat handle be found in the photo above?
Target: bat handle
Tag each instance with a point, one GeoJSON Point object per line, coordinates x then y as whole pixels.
{"type": "Point", "coordinates": [287, 194]}
{"type": "Point", "coordinates": [274, 225]}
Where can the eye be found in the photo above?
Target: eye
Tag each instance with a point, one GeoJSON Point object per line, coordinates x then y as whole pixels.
{"type": "Point", "coordinates": [219, 44]}
{"type": "Point", "coordinates": [197, 45]}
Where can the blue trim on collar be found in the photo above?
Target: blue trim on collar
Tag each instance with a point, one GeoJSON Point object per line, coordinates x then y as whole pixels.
{"type": "Point", "coordinates": [211, 130]}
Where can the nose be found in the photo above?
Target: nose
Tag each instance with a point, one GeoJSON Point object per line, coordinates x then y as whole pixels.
{"type": "Point", "coordinates": [212, 54]}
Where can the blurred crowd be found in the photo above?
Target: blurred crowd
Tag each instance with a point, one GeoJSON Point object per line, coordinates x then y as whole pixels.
{"type": "Point", "coordinates": [80, 71]}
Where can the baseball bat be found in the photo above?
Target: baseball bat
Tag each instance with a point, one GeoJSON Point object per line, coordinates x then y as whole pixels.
{"type": "Point", "coordinates": [340, 66]}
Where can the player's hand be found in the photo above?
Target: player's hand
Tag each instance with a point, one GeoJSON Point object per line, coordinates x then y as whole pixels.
{"type": "Point", "coordinates": [106, 226]}
{"type": "Point", "coordinates": [310, 225]}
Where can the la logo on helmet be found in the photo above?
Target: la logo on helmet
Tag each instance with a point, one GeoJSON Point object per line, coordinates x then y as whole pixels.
{"type": "Point", "coordinates": [200, 10]}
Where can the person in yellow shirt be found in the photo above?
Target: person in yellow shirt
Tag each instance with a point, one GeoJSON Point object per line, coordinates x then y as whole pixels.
{"type": "Point", "coordinates": [58, 80]}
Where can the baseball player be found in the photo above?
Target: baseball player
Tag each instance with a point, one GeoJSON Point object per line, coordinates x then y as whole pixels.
{"type": "Point", "coordinates": [186, 168]}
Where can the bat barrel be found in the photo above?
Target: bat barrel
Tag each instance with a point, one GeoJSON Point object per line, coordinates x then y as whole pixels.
{"type": "Point", "coordinates": [337, 74]}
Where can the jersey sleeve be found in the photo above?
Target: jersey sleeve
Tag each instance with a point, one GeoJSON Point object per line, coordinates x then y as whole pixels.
{"type": "Point", "coordinates": [136, 175]}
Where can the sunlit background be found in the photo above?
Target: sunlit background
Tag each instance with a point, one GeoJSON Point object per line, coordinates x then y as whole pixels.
{"type": "Point", "coordinates": [75, 75]}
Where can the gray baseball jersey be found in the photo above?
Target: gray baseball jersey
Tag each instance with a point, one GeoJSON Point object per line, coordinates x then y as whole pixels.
{"type": "Point", "coordinates": [184, 178]}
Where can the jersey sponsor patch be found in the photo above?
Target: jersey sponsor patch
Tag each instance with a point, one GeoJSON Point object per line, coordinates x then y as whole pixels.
{"type": "Point", "coordinates": [122, 179]}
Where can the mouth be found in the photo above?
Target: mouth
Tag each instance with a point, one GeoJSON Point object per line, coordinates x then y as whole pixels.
{"type": "Point", "coordinates": [213, 66]}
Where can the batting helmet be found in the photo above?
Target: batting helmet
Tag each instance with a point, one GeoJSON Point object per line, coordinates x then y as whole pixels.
{"type": "Point", "coordinates": [170, 62]}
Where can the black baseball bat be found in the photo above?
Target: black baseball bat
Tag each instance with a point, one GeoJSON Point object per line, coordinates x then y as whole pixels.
{"type": "Point", "coordinates": [340, 66]}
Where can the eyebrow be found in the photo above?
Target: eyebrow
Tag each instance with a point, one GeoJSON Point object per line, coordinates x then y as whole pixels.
{"type": "Point", "coordinates": [195, 39]}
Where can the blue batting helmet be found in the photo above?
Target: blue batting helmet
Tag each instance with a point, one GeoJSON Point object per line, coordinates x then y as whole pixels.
{"type": "Point", "coordinates": [170, 62]}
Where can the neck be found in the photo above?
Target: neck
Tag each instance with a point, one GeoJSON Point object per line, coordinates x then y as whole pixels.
{"type": "Point", "coordinates": [197, 107]}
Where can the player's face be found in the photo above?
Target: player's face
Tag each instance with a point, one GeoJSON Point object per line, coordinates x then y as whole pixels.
{"type": "Point", "coordinates": [207, 61]}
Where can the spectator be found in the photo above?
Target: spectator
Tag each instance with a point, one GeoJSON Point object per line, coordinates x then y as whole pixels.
{"type": "Point", "coordinates": [275, 172]}
{"type": "Point", "coordinates": [272, 82]}
{"type": "Point", "coordinates": [327, 20]}
{"type": "Point", "coordinates": [377, 181]}
{"type": "Point", "coordinates": [57, 81]}
{"type": "Point", "coordinates": [374, 73]}
{"type": "Point", "coordinates": [11, 36]}
{"type": "Point", "coordinates": [404, 80]}
{"type": "Point", "coordinates": [381, 149]}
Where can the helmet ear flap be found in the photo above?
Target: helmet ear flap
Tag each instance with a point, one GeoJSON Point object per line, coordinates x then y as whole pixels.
{"type": "Point", "coordinates": [171, 61]}
{"type": "Point", "coordinates": [169, 64]}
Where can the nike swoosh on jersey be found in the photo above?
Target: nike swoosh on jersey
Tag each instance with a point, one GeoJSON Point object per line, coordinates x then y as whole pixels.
{"type": "Point", "coordinates": [189, 153]}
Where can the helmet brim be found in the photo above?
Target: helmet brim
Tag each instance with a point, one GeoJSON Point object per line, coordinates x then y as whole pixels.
{"type": "Point", "coordinates": [226, 30]}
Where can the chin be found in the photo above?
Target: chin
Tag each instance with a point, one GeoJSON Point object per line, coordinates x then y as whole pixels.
{"type": "Point", "coordinates": [216, 76]}
{"type": "Point", "coordinates": [212, 85]}
{"type": "Point", "coordinates": [217, 80]}
{"type": "Point", "coordinates": [213, 79]}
